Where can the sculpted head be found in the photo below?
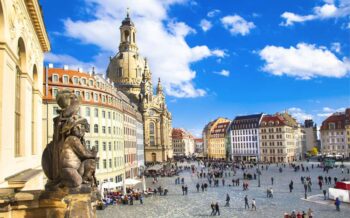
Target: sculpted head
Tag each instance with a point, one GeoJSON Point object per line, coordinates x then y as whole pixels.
{"type": "Point", "coordinates": [66, 98]}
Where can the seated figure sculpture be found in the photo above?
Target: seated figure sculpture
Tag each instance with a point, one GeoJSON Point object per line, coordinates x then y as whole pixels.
{"type": "Point", "coordinates": [66, 161]}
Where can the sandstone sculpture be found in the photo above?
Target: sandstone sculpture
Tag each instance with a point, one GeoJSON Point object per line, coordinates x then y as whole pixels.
{"type": "Point", "coordinates": [66, 161]}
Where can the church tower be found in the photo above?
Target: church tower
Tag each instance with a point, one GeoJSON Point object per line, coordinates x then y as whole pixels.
{"type": "Point", "coordinates": [131, 74]}
{"type": "Point", "coordinates": [125, 69]}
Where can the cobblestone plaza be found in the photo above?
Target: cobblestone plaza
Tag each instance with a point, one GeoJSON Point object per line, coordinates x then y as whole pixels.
{"type": "Point", "coordinates": [198, 204]}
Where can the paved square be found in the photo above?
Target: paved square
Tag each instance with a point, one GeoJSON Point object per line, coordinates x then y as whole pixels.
{"type": "Point", "coordinates": [198, 204]}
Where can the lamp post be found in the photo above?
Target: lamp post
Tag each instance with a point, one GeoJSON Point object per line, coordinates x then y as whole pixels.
{"type": "Point", "coordinates": [258, 172]}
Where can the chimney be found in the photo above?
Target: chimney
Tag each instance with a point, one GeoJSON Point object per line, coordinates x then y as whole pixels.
{"type": "Point", "coordinates": [50, 65]}
{"type": "Point", "coordinates": [65, 67]}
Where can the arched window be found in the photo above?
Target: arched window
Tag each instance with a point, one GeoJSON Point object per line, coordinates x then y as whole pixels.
{"type": "Point", "coordinates": [95, 128]}
{"type": "Point", "coordinates": [127, 36]}
{"type": "Point", "coordinates": [134, 38]}
{"type": "Point", "coordinates": [151, 134]}
{"type": "Point", "coordinates": [21, 66]}
{"type": "Point", "coordinates": [87, 111]}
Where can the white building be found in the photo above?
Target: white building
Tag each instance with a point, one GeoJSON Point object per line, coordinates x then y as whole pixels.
{"type": "Point", "coordinates": [140, 151]}
{"type": "Point", "coordinates": [244, 137]}
{"type": "Point", "coordinates": [183, 142]}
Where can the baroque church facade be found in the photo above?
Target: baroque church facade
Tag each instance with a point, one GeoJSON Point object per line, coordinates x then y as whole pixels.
{"type": "Point", "coordinates": [131, 74]}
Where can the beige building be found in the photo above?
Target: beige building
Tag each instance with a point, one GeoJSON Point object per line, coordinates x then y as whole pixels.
{"type": "Point", "coordinates": [279, 138]}
{"type": "Point", "coordinates": [214, 137]}
{"type": "Point", "coordinates": [334, 134]}
{"type": "Point", "coordinates": [131, 74]}
{"type": "Point", "coordinates": [101, 105]}
{"type": "Point", "coordinates": [183, 142]}
{"type": "Point", "coordinates": [23, 42]}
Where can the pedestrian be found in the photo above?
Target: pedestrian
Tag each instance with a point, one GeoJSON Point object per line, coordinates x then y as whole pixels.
{"type": "Point", "coordinates": [223, 182]}
{"type": "Point", "coordinates": [227, 201]}
{"type": "Point", "coordinates": [217, 209]}
{"type": "Point", "coordinates": [309, 213]}
{"type": "Point", "coordinates": [183, 190]}
{"type": "Point", "coordinates": [141, 199]}
{"type": "Point", "coordinates": [291, 186]}
{"type": "Point", "coordinates": [324, 194]}
{"type": "Point", "coordinates": [246, 202]}
{"type": "Point", "coordinates": [253, 204]}
{"type": "Point", "coordinates": [271, 180]}
{"type": "Point", "coordinates": [197, 186]}
{"type": "Point", "coordinates": [337, 204]}
{"type": "Point", "coordinates": [212, 209]}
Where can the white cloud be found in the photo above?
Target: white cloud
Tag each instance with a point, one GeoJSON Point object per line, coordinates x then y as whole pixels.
{"type": "Point", "coordinates": [237, 25]}
{"type": "Point", "coordinates": [330, 9]}
{"type": "Point", "coordinates": [213, 13]}
{"type": "Point", "coordinates": [304, 61]}
{"type": "Point", "coordinates": [159, 37]}
{"type": "Point", "coordinates": [328, 111]}
{"type": "Point", "coordinates": [299, 114]}
{"type": "Point", "coordinates": [336, 47]}
{"type": "Point", "coordinates": [205, 25]}
{"type": "Point", "coordinates": [223, 73]}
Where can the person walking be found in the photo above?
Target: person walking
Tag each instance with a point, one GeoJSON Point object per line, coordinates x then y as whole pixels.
{"type": "Point", "coordinates": [324, 194]}
{"type": "Point", "coordinates": [197, 186]}
{"type": "Point", "coordinates": [246, 204]}
{"type": "Point", "coordinates": [212, 209]}
{"type": "Point", "coordinates": [253, 204]}
{"type": "Point", "coordinates": [309, 213]}
{"type": "Point", "coordinates": [291, 186]}
{"type": "Point", "coordinates": [337, 204]}
{"type": "Point", "coordinates": [271, 180]}
{"type": "Point", "coordinates": [227, 200]}
{"type": "Point", "coordinates": [217, 209]}
{"type": "Point", "coordinates": [141, 199]}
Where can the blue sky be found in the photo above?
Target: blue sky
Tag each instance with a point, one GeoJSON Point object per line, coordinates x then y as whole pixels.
{"type": "Point", "coordinates": [219, 58]}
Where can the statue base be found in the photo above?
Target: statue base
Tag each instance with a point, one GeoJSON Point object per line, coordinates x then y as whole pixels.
{"type": "Point", "coordinates": [64, 202]}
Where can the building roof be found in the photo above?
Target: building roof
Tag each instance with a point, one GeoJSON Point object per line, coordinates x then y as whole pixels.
{"type": "Point", "coordinates": [273, 120]}
{"type": "Point", "coordinates": [338, 119]}
{"type": "Point", "coordinates": [246, 122]}
{"type": "Point", "coordinates": [198, 140]}
{"type": "Point", "coordinates": [220, 128]}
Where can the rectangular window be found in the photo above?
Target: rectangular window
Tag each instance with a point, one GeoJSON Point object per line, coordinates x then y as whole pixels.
{"type": "Point", "coordinates": [55, 113]}
{"type": "Point", "coordinates": [91, 82]}
{"type": "Point", "coordinates": [96, 112]}
{"type": "Point", "coordinates": [110, 146]}
{"type": "Point", "coordinates": [87, 96]}
{"type": "Point", "coordinates": [96, 97]}
{"type": "Point", "coordinates": [96, 145]}
{"type": "Point", "coordinates": [104, 146]}
{"type": "Point", "coordinates": [54, 92]}
{"type": "Point", "coordinates": [83, 81]}
{"type": "Point", "coordinates": [104, 163]}
{"type": "Point", "coordinates": [110, 163]}
{"type": "Point", "coordinates": [104, 114]}
{"type": "Point", "coordinates": [103, 129]}
{"type": "Point", "coordinates": [87, 111]}
{"type": "Point", "coordinates": [77, 93]}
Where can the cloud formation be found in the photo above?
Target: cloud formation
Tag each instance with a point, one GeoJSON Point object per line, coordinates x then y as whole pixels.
{"type": "Point", "coordinates": [225, 73]}
{"type": "Point", "coordinates": [305, 61]}
{"type": "Point", "coordinates": [159, 37]}
{"type": "Point", "coordinates": [327, 111]}
{"type": "Point", "coordinates": [330, 9]}
{"type": "Point", "coordinates": [205, 25]}
{"type": "Point", "coordinates": [237, 25]}
{"type": "Point", "coordinates": [299, 114]}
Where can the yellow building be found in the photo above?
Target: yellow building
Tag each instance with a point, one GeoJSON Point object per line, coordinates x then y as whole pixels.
{"type": "Point", "coordinates": [214, 136]}
{"type": "Point", "coordinates": [279, 136]}
{"type": "Point", "coordinates": [101, 105]}
{"type": "Point", "coordinates": [131, 74]}
{"type": "Point", "coordinates": [23, 42]}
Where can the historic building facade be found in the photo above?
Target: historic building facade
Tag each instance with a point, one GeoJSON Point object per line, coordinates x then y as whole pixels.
{"type": "Point", "coordinates": [244, 137]}
{"type": "Point", "coordinates": [23, 42]}
{"type": "Point", "coordinates": [310, 129]}
{"type": "Point", "coordinates": [215, 138]}
{"type": "Point", "coordinates": [278, 138]}
{"type": "Point", "coordinates": [140, 146]}
{"type": "Point", "coordinates": [334, 134]}
{"type": "Point", "coordinates": [183, 142]}
{"type": "Point", "coordinates": [111, 117]}
{"type": "Point", "coordinates": [131, 74]}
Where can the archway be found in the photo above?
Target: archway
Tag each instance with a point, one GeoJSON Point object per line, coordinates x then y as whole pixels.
{"type": "Point", "coordinates": [22, 56]}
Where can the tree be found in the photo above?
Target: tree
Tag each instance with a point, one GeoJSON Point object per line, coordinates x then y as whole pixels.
{"type": "Point", "coordinates": [314, 151]}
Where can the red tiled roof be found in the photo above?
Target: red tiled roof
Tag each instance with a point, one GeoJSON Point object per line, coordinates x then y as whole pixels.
{"type": "Point", "coordinates": [337, 118]}
{"type": "Point", "coordinates": [220, 128]}
{"type": "Point", "coordinates": [272, 120]}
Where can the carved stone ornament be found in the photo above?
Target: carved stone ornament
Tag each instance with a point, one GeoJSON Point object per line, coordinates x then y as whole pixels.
{"type": "Point", "coordinates": [66, 160]}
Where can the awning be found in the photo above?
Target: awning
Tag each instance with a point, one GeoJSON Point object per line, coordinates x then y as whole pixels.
{"type": "Point", "coordinates": [155, 168]}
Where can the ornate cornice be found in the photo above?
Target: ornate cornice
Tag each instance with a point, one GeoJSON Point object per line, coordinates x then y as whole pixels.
{"type": "Point", "coordinates": [35, 14]}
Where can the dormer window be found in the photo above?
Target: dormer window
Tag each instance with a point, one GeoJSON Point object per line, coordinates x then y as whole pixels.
{"type": "Point", "coordinates": [55, 78]}
{"type": "Point", "coordinates": [65, 79]}
{"type": "Point", "coordinates": [75, 80]}
{"type": "Point", "coordinates": [83, 81]}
